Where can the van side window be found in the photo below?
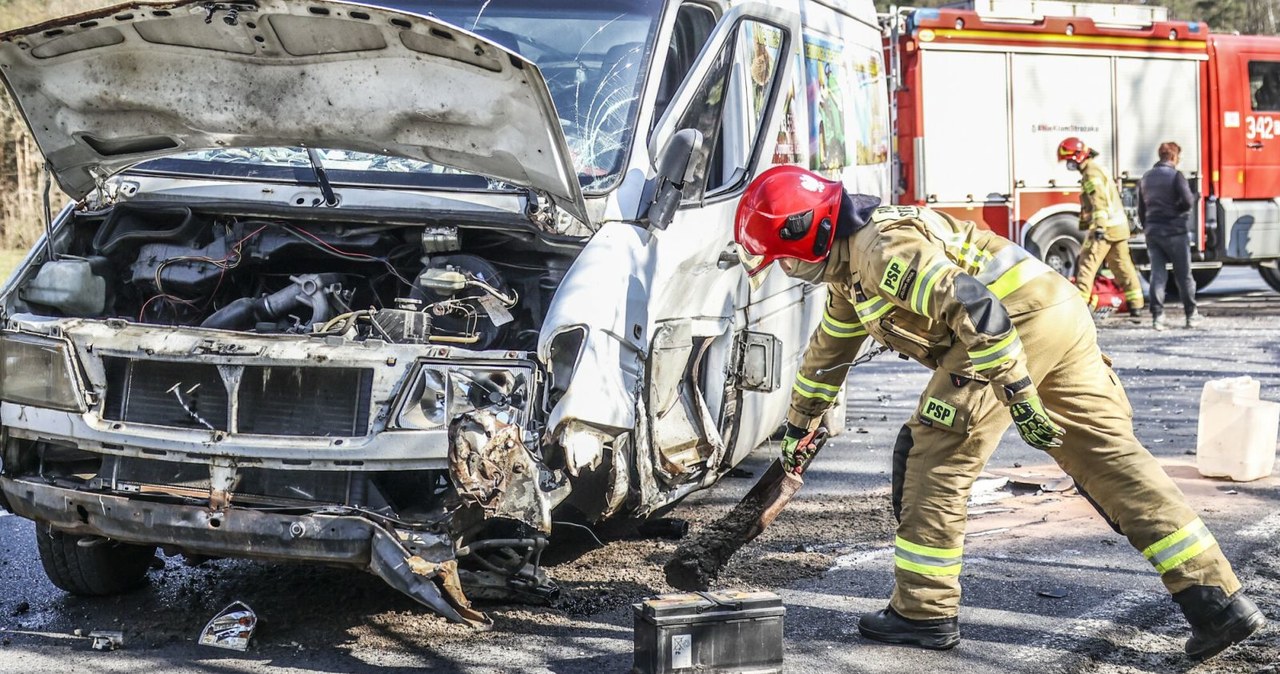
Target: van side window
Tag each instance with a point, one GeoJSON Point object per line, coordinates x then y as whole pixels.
{"type": "Point", "coordinates": [694, 24]}
{"type": "Point", "coordinates": [730, 106]}
{"type": "Point", "coordinates": [1264, 85]}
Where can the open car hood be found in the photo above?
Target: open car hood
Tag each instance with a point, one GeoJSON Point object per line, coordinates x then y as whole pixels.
{"type": "Point", "coordinates": [105, 90]}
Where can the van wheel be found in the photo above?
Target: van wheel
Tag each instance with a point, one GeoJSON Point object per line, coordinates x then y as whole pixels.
{"type": "Point", "coordinates": [1270, 272]}
{"type": "Point", "coordinates": [92, 566]}
{"type": "Point", "coordinates": [1057, 242]}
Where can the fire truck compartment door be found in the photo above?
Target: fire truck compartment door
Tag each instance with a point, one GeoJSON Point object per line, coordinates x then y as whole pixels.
{"type": "Point", "coordinates": [1251, 228]}
{"type": "Point", "coordinates": [966, 121]}
{"type": "Point", "coordinates": [1158, 100]}
{"type": "Point", "coordinates": [1056, 96]}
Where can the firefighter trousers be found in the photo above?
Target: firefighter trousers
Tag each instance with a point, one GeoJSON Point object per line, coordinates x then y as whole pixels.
{"type": "Point", "coordinates": [935, 465]}
{"type": "Point", "coordinates": [1116, 254]}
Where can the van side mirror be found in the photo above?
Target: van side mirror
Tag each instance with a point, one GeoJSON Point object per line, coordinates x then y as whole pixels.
{"type": "Point", "coordinates": [666, 188]}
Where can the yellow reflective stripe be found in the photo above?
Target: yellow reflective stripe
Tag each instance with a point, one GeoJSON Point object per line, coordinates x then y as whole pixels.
{"type": "Point", "coordinates": [872, 309]}
{"type": "Point", "coordinates": [971, 256]}
{"type": "Point", "coordinates": [1133, 295]}
{"type": "Point", "coordinates": [926, 560]}
{"type": "Point", "coordinates": [1017, 277]}
{"type": "Point", "coordinates": [1175, 549]}
{"type": "Point", "coordinates": [816, 384]}
{"type": "Point", "coordinates": [813, 389]}
{"type": "Point", "coordinates": [826, 316]}
{"type": "Point", "coordinates": [924, 287]}
{"type": "Point", "coordinates": [949, 553]}
{"type": "Point", "coordinates": [1194, 548]}
{"type": "Point", "coordinates": [1003, 351]}
{"type": "Point", "coordinates": [843, 334]}
{"type": "Point", "coordinates": [841, 329]}
{"type": "Point", "coordinates": [800, 389]}
{"type": "Point", "coordinates": [926, 570]}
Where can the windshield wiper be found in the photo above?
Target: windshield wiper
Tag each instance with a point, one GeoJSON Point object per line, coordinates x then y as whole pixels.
{"type": "Point", "coordinates": [322, 179]}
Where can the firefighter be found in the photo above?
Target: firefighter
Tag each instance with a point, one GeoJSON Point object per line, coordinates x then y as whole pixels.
{"type": "Point", "coordinates": [1009, 342]}
{"type": "Point", "coordinates": [1103, 219]}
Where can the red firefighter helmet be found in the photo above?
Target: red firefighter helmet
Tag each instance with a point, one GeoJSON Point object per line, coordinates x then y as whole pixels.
{"type": "Point", "coordinates": [788, 212]}
{"type": "Point", "coordinates": [1074, 149]}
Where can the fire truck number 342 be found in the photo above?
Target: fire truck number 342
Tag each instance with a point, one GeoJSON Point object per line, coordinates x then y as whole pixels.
{"type": "Point", "coordinates": [1260, 126]}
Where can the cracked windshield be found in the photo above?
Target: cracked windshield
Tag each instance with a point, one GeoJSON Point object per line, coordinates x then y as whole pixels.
{"type": "Point", "coordinates": [591, 55]}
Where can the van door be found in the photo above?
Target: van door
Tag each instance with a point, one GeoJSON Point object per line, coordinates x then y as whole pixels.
{"type": "Point", "coordinates": [699, 292]}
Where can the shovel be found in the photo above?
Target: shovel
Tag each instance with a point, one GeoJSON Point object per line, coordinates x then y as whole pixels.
{"type": "Point", "coordinates": [699, 559]}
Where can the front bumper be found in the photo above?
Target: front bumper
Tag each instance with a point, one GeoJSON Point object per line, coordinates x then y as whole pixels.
{"type": "Point", "coordinates": [235, 532]}
{"type": "Point", "coordinates": [419, 564]}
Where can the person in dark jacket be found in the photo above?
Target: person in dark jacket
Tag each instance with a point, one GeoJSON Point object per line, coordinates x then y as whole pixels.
{"type": "Point", "coordinates": [1164, 207]}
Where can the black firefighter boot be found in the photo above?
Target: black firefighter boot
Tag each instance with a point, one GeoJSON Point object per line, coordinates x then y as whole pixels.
{"type": "Point", "coordinates": [1217, 621]}
{"type": "Point", "coordinates": [887, 626]}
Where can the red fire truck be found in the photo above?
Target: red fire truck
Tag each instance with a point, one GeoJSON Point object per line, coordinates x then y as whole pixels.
{"type": "Point", "coordinates": [982, 96]}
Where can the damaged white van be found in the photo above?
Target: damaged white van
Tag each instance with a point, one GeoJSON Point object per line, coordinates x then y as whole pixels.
{"type": "Point", "coordinates": [396, 287]}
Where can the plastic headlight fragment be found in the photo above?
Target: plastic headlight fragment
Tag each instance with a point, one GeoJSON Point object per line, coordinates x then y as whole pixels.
{"type": "Point", "coordinates": [37, 372]}
{"type": "Point", "coordinates": [441, 393]}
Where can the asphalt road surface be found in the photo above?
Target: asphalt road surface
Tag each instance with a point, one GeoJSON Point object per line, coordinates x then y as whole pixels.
{"type": "Point", "coordinates": [1048, 586]}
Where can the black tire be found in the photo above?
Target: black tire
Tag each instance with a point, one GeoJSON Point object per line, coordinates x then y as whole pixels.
{"type": "Point", "coordinates": [104, 568]}
{"type": "Point", "coordinates": [1203, 277]}
{"type": "Point", "coordinates": [1270, 272]}
{"type": "Point", "coordinates": [1057, 241]}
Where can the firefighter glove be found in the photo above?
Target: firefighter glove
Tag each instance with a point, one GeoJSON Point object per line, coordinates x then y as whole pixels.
{"type": "Point", "coordinates": [1099, 234]}
{"type": "Point", "coordinates": [798, 448]}
{"type": "Point", "coordinates": [1034, 424]}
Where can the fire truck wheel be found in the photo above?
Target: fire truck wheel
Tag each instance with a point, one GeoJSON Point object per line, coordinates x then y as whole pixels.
{"type": "Point", "coordinates": [1270, 272]}
{"type": "Point", "coordinates": [1203, 278]}
{"type": "Point", "coordinates": [1057, 241]}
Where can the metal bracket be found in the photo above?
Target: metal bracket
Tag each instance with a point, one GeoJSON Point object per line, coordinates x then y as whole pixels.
{"type": "Point", "coordinates": [757, 362]}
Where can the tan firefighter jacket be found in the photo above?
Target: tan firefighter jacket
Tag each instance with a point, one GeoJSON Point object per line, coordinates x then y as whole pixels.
{"type": "Point", "coordinates": [1100, 205]}
{"type": "Point", "coordinates": [934, 289]}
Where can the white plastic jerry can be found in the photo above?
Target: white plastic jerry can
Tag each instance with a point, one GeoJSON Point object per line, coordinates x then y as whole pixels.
{"type": "Point", "coordinates": [1237, 431]}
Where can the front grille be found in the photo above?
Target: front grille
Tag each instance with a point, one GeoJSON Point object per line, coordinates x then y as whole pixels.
{"type": "Point", "coordinates": [185, 395]}
{"type": "Point", "coordinates": [305, 401]}
{"type": "Point", "coordinates": [289, 401]}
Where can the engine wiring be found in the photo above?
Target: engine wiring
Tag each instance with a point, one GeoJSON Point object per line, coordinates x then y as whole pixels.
{"type": "Point", "coordinates": [235, 255]}
{"type": "Point", "coordinates": [229, 261]}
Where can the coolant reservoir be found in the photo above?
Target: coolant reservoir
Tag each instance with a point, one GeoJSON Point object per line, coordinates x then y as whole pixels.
{"type": "Point", "coordinates": [1237, 431]}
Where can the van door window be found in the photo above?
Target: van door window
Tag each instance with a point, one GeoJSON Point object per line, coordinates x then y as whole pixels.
{"type": "Point", "coordinates": [694, 24]}
{"type": "Point", "coordinates": [730, 107]}
{"type": "Point", "coordinates": [1264, 85]}
{"type": "Point", "coordinates": [752, 80]}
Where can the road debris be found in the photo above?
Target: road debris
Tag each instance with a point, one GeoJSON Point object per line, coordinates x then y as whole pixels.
{"type": "Point", "coordinates": [1053, 593]}
{"type": "Point", "coordinates": [231, 628]}
{"type": "Point", "coordinates": [107, 640]}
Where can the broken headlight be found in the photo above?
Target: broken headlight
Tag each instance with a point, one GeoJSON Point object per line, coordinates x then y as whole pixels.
{"type": "Point", "coordinates": [37, 372]}
{"type": "Point", "coordinates": [441, 392]}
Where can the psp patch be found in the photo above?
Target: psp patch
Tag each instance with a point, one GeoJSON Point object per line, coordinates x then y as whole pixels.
{"type": "Point", "coordinates": [893, 277]}
{"type": "Point", "coordinates": [938, 412]}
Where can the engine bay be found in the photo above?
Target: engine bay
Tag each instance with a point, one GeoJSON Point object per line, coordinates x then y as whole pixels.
{"type": "Point", "coordinates": [478, 287]}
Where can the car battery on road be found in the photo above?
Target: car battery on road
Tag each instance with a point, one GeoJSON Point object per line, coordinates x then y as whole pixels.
{"type": "Point", "coordinates": [725, 631]}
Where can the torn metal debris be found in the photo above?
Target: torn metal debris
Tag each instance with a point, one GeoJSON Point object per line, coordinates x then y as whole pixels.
{"type": "Point", "coordinates": [107, 640]}
{"type": "Point", "coordinates": [232, 628]}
